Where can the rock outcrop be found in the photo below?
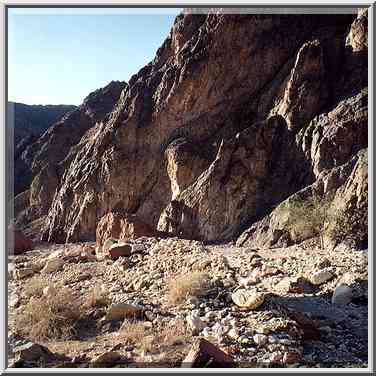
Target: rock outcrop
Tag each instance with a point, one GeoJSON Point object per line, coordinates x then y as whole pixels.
{"type": "Point", "coordinates": [235, 114]}
{"type": "Point", "coordinates": [121, 226]}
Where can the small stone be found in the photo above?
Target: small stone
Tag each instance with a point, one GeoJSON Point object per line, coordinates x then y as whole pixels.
{"type": "Point", "coordinates": [260, 339]}
{"type": "Point", "coordinates": [276, 357]}
{"type": "Point", "coordinates": [195, 323]}
{"type": "Point", "coordinates": [136, 248]}
{"type": "Point", "coordinates": [248, 299]}
{"type": "Point", "coordinates": [244, 340]}
{"type": "Point", "coordinates": [49, 290]}
{"type": "Point", "coordinates": [321, 277]}
{"type": "Point", "coordinates": [151, 316]}
{"type": "Point", "coordinates": [52, 265]}
{"type": "Point", "coordinates": [204, 353]}
{"type": "Point", "coordinates": [122, 310]}
{"type": "Point", "coordinates": [14, 300]}
{"type": "Point", "coordinates": [139, 284]}
{"type": "Point", "coordinates": [210, 315]}
{"type": "Point", "coordinates": [291, 357]}
{"type": "Point", "coordinates": [23, 273]}
{"type": "Point", "coordinates": [233, 333]}
{"type": "Point", "coordinates": [117, 250]}
{"type": "Point", "coordinates": [342, 294]}
{"type": "Point", "coordinates": [109, 358]}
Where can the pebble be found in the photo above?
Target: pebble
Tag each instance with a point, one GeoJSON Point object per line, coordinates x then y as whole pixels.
{"type": "Point", "coordinates": [260, 339]}
{"type": "Point", "coordinates": [248, 299]}
{"type": "Point", "coordinates": [320, 277]}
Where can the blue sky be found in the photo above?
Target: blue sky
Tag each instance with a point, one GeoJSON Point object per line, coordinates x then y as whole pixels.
{"type": "Point", "coordinates": [59, 56]}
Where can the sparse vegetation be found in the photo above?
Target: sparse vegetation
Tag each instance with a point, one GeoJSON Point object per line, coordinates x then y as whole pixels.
{"type": "Point", "coordinates": [97, 298]}
{"type": "Point", "coordinates": [49, 317]}
{"type": "Point", "coordinates": [187, 285]}
{"type": "Point", "coordinates": [34, 287]}
{"type": "Point", "coordinates": [307, 218]}
{"type": "Point", "coordinates": [349, 226]}
{"type": "Point", "coordinates": [153, 339]}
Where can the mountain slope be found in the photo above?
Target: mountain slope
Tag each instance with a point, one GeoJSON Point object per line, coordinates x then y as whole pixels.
{"type": "Point", "coordinates": [244, 91]}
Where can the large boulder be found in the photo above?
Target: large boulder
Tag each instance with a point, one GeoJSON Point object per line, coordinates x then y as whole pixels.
{"type": "Point", "coordinates": [123, 226]}
{"type": "Point", "coordinates": [21, 243]}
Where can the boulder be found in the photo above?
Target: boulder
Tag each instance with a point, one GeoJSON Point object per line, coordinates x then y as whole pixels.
{"type": "Point", "coordinates": [106, 359]}
{"type": "Point", "coordinates": [122, 311]}
{"type": "Point", "coordinates": [247, 299]}
{"type": "Point", "coordinates": [119, 250]}
{"type": "Point", "coordinates": [53, 265]}
{"type": "Point", "coordinates": [22, 243]}
{"type": "Point", "coordinates": [122, 226]}
{"type": "Point", "coordinates": [342, 295]}
{"type": "Point", "coordinates": [204, 354]}
{"type": "Point", "coordinates": [32, 352]}
{"type": "Point", "coordinates": [297, 285]}
{"type": "Point", "coordinates": [22, 273]}
{"type": "Point", "coordinates": [321, 276]}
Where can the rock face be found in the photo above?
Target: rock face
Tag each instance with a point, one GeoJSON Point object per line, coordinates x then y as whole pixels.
{"type": "Point", "coordinates": [42, 162]}
{"type": "Point", "coordinates": [121, 226]}
{"type": "Point", "coordinates": [235, 114]}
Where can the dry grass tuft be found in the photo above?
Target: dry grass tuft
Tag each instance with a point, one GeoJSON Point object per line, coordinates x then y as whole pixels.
{"type": "Point", "coordinates": [154, 339]}
{"type": "Point", "coordinates": [187, 285]}
{"type": "Point", "coordinates": [97, 298]}
{"type": "Point", "coordinates": [172, 335]}
{"type": "Point", "coordinates": [50, 317]}
{"type": "Point", "coordinates": [137, 334]}
{"type": "Point", "coordinates": [35, 287]}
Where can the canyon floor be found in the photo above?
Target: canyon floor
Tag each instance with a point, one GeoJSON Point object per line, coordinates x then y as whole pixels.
{"type": "Point", "coordinates": [289, 319]}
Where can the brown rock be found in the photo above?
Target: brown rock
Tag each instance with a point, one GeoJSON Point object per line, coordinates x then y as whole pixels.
{"type": "Point", "coordinates": [296, 285]}
{"type": "Point", "coordinates": [205, 354]}
{"type": "Point", "coordinates": [122, 226]}
{"type": "Point", "coordinates": [232, 189]}
{"type": "Point", "coordinates": [307, 89]}
{"type": "Point", "coordinates": [120, 250]}
{"type": "Point", "coordinates": [21, 243]}
{"type": "Point", "coordinates": [291, 357]}
{"type": "Point", "coordinates": [122, 310]}
{"type": "Point", "coordinates": [205, 84]}
{"type": "Point", "coordinates": [106, 359]}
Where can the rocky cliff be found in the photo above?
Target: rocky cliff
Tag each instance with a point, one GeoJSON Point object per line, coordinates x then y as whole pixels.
{"type": "Point", "coordinates": [235, 114]}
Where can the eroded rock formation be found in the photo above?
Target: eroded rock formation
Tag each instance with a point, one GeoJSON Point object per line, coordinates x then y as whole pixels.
{"type": "Point", "coordinates": [235, 114]}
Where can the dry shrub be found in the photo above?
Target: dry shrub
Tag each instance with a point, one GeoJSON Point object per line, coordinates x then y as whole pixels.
{"type": "Point", "coordinates": [154, 339]}
{"type": "Point", "coordinates": [187, 285]}
{"type": "Point", "coordinates": [137, 334]}
{"type": "Point", "coordinates": [97, 298]}
{"type": "Point", "coordinates": [307, 217]}
{"type": "Point", "coordinates": [51, 317]}
{"type": "Point", "coordinates": [35, 287]}
{"type": "Point", "coordinates": [172, 335]}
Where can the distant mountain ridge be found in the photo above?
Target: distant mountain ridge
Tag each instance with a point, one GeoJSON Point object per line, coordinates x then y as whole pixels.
{"type": "Point", "coordinates": [26, 123]}
{"type": "Point", "coordinates": [33, 120]}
